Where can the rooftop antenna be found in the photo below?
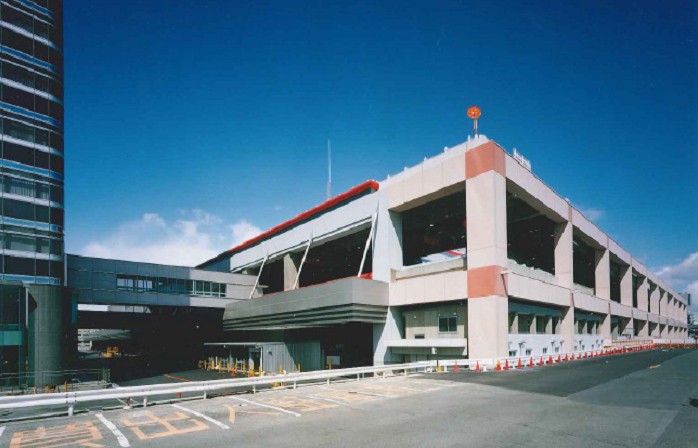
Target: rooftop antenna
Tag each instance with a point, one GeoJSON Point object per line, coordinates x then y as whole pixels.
{"type": "Point", "coordinates": [474, 113]}
{"type": "Point", "coordinates": [329, 169]}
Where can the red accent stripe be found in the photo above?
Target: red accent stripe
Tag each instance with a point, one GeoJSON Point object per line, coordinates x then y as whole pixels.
{"type": "Point", "coordinates": [359, 189]}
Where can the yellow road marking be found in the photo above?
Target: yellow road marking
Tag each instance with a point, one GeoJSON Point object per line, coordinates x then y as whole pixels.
{"type": "Point", "coordinates": [176, 378]}
{"type": "Point", "coordinates": [233, 411]}
{"type": "Point", "coordinates": [79, 434]}
{"type": "Point", "coordinates": [152, 421]}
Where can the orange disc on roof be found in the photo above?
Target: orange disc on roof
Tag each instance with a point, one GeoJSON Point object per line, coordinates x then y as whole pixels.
{"type": "Point", "coordinates": [474, 112]}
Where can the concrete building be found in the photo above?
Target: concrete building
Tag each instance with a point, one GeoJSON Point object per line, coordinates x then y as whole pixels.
{"type": "Point", "coordinates": [468, 254]}
{"type": "Point", "coordinates": [165, 310]}
{"type": "Point", "coordinates": [35, 308]}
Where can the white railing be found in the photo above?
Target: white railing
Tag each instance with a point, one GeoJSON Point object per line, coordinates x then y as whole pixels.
{"type": "Point", "coordinates": [69, 399]}
{"type": "Point", "coordinates": [205, 387]}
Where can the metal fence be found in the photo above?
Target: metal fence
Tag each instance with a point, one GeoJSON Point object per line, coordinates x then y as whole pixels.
{"type": "Point", "coordinates": [53, 381]}
{"type": "Point", "coordinates": [253, 384]}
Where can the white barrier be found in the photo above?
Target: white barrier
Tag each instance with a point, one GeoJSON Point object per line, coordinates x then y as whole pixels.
{"type": "Point", "coordinates": [206, 387]}
{"type": "Point", "coordinates": [130, 392]}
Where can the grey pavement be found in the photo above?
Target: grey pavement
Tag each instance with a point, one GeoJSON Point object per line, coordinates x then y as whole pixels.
{"type": "Point", "coordinates": [638, 400]}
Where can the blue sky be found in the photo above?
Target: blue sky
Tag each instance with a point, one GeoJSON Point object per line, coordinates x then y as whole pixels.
{"type": "Point", "coordinates": [193, 124]}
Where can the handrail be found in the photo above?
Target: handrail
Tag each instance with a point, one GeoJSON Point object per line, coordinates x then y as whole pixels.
{"type": "Point", "coordinates": [70, 398]}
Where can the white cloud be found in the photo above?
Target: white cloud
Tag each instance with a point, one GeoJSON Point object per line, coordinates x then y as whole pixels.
{"type": "Point", "coordinates": [193, 238]}
{"type": "Point", "coordinates": [243, 231]}
{"type": "Point", "coordinates": [683, 276]}
{"type": "Point", "coordinates": [593, 214]}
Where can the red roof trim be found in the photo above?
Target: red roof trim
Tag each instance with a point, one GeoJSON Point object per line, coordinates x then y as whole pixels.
{"type": "Point", "coordinates": [349, 194]}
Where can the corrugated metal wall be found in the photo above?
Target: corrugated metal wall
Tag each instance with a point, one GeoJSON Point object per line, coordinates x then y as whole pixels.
{"type": "Point", "coordinates": [289, 355]}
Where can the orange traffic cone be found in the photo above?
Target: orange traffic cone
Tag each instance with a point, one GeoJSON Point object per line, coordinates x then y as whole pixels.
{"type": "Point", "coordinates": [519, 365]}
{"type": "Point", "coordinates": [541, 362]}
{"type": "Point", "coordinates": [477, 367]}
{"type": "Point", "coordinates": [566, 357]}
{"type": "Point", "coordinates": [506, 364]}
{"type": "Point", "coordinates": [530, 362]}
{"type": "Point", "coordinates": [559, 359]}
{"type": "Point", "coordinates": [499, 366]}
{"type": "Point", "coordinates": [550, 359]}
{"type": "Point", "coordinates": [579, 356]}
{"type": "Point", "coordinates": [455, 368]}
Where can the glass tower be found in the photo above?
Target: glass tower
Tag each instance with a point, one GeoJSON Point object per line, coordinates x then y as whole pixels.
{"type": "Point", "coordinates": [31, 170]}
{"type": "Point", "coordinates": [34, 314]}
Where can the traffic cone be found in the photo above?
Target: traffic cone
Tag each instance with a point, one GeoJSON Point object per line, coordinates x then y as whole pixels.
{"type": "Point", "coordinates": [477, 367]}
{"type": "Point", "coordinates": [519, 365]}
{"type": "Point", "coordinates": [541, 362]}
{"type": "Point", "coordinates": [499, 366]}
{"type": "Point", "coordinates": [550, 359]}
{"type": "Point", "coordinates": [455, 368]}
{"type": "Point", "coordinates": [530, 362]}
{"type": "Point", "coordinates": [579, 356]}
{"type": "Point", "coordinates": [559, 359]}
{"type": "Point", "coordinates": [506, 364]}
{"type": "Point", "coordinates": [566, 357]}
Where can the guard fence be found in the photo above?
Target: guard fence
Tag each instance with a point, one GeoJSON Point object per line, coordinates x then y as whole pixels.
{"type": "Point", "coordinates": [204, 389]}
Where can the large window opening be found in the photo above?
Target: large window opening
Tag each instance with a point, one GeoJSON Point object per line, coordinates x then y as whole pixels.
{"type": "Point", "coordinates": [584, 264]}
{"type": "Point", "coordinates": [529, 318]}
{"type": "Point", "coordinates": [434, 231]}
{"type": "Point", "coordinates": [587, 322]}
{"type": "Point", "coordinates": [530, 235]}
{"type": "Point", "coordinates": [616, 275]}
{"type": "Point", "coordinates": [637, 284]}
{"type": "Point", "coordinates": [336, 259]}
{"type": "Point", "coordinates": [272, 278]}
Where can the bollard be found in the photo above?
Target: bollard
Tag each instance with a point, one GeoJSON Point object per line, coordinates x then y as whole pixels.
{"type": "Point", "coordinates": [70, 410]}
{"type": "Point", "coordinates": [145, 402]}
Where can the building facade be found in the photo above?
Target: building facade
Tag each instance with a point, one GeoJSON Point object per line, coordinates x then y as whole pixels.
{"type": "Point", "coordinates": [468, 254]}
{"type": "Point", "coordinates": [31, 176]}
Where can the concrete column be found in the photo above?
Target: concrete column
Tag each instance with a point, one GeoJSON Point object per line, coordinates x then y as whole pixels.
{"type": "Point", "coordinates": [563, 254]}
{"type": "Point", "coordinates": [391, 329]}
{"type": "Point", "coordinates": [488, 307]}
{"type": "Point", "coordinates": [564, 269]}
{"type": "Point", "coordinates": [626, 286]}
{"type": "Point", "coordinates": [567, 329]}
{"type": "Point", "coordinates": [291, 265]}
{"type": "Point", "coordinates": [603, 274]}
{"type": "Point", "coordinates": [643, 295]}
{"type": "Point", "coordinates": [51, 336]}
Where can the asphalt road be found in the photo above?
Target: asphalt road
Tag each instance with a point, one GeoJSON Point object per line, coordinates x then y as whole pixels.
{"type": "Point", "coordinates": [638, 400]}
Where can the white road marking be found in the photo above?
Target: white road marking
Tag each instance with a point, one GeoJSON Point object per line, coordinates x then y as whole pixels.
{"type": "Point", "coordinates": [369, 393]}
{"type": "Point", "coordinates": [123, 441]}
{"type": "Point", "coordinates": [267, 406]}
{"type": "Point", "coordinates": [2, 429]}
{"type": "Point", "coordinates": [317, 397]}
{"type": "Point", "coordinates": [199, 414]}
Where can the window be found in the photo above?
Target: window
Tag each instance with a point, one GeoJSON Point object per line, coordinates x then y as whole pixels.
{"type": "Point", "coordinates": [447, 324]}
{"type": "Point", "coordinates": [419, 336]}
{"type": "Point", "coordinates": [557, 349]}
{"type": "Point", "coordinates": [541, 324]}
{"type": "Point", "coordinates": [19, 266]}
{"type": "Point", "coordinates": [512, 352]}
{"type": "Point", "coordinates": [528, 352]}
{"type": "Point", "coordinates": [20, 242]}
{"type": "Point", "coordinates": [545, 350]}
{"type": "Point", "coordinates": [18, 209]}
{"type": "Point", "coordinates": [524, 324]}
